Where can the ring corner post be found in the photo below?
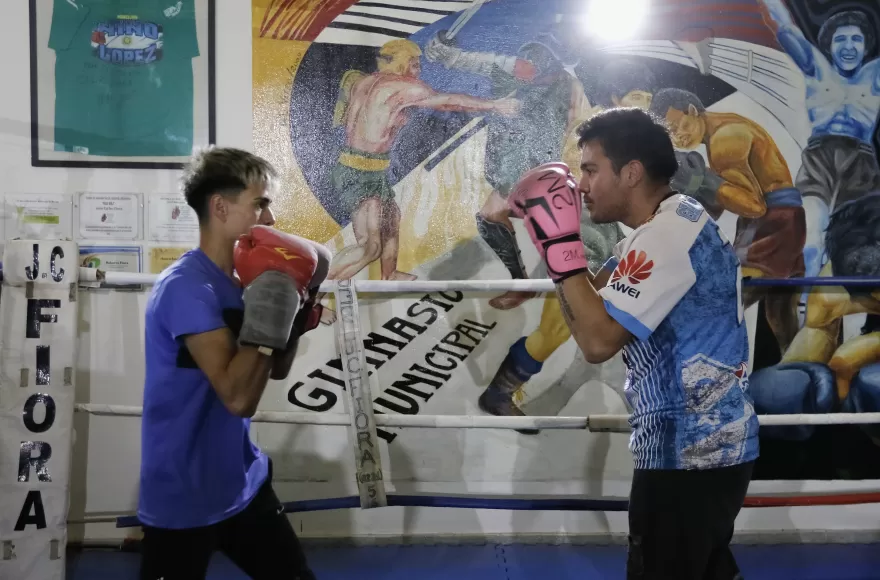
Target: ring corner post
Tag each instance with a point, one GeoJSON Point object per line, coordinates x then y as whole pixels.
{"type": "Point", "coordinates": [38, 338]}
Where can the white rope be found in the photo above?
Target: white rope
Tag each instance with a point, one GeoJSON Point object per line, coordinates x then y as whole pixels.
{"type": "Point", "coordinates": [422, 286]}
{"type": "Point", "coordinates": [93, 276]}
{"type": "Point", "coordinates": [596, 423]}
{"type": "Point", "coordinates": [416, 421]}
{"type": "Point", "coordinates": [370, 286]}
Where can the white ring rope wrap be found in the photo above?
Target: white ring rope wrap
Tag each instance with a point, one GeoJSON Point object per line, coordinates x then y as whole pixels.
{"type": "Point", "coordinates": [350, 346]}
{"type": "Point", "coordinates": [596, 423]}
{"type": "Point", "coordinates": [370, 286]}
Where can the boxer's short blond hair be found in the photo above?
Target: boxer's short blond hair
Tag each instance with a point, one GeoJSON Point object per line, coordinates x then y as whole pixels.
{"type": "Point", "coordinates": [223, 170]}
{"type": "Point", "coordinates": [395, 55]}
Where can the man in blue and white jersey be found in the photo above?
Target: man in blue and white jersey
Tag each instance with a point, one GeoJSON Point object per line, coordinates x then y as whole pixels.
{"type": "Point", "coordinates": [670, 298]}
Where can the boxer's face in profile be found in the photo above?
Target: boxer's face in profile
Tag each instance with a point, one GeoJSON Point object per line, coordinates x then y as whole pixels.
{"type": "Point", "coordinates": [241, 213]}
{"type": "Point", "coordinates": [636, 98]}
{"type": "Point", "coordinates": [685, 128]}
{"type": "Point", "coordinates": [604, 196]}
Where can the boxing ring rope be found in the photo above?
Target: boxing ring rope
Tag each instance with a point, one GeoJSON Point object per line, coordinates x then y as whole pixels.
{"type": "Point", "coordinates": [350, 344]}
{"type": "Point", "coordinates": [94, 275]}
{"type": "Point", "coordinates": [573, 504]}
{"type": "Point", "coordinates": [593, 423]}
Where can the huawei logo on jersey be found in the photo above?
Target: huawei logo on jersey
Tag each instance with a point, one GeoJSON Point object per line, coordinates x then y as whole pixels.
{"type": "Point", "coordinates": [634, 269]}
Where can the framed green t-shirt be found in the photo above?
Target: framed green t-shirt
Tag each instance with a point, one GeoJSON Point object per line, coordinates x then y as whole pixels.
{"type": "Point", "coordinates": [124, 76]}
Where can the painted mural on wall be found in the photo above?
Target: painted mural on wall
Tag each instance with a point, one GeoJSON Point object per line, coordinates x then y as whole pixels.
{"type": "Point", "coordinates": [401, 126]}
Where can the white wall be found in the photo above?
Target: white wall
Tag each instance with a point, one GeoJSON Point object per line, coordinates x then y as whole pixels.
{"type": "Point", "coordinates": [314, 462]}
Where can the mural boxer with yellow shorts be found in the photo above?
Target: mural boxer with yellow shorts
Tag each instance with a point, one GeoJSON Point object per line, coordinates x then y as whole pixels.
{"type": "Point", "coordinates": [757, 186]}
{"type": "Point", "coordinates": [373, 108]}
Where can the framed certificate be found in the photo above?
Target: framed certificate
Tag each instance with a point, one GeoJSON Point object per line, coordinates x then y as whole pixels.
{"type": "Point", "coordinates": [121, 83]}
{"type": "Point", "coordinates": [39, 216]}
{"type": "Point", "coordinates": [109, 216]}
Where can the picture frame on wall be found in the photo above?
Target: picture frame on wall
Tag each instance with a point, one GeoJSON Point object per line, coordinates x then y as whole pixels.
{"type": "Point", "coordinates": [126, 84]}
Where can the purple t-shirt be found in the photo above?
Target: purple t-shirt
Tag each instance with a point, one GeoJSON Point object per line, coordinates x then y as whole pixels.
{"type": "Point", "coordinates": [198, 463]}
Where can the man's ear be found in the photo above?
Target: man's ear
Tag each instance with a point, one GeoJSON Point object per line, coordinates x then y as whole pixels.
{"type": "Point", "coordinates": [217, 206]}
{"type": "Point", "coordinates": [633, 172]}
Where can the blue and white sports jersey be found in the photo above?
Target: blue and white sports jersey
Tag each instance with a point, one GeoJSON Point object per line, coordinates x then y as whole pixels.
{"type": "Point", "coordinates": [676, 286]}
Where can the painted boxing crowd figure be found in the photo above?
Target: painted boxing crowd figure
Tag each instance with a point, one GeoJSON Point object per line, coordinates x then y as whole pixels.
{"type": "Point", "coordinates": [220, 322]}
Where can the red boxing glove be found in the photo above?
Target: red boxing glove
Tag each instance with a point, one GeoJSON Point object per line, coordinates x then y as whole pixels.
{"type": "Point", "coordinates": [265, 249]}
{"type": "Point", "coordinates": [549, 202]}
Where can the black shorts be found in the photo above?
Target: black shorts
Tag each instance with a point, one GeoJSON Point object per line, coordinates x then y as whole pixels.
{"type": "Point", "coordinates": [681, 523]}
{"type": "Point", "coordinates": [259, 540]}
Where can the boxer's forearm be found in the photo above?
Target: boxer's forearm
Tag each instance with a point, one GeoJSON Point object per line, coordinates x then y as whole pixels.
{"type": "Point", "coordinates": [600, 279]}
{"type": "Point", "coordinates": [238, 374]}
{"type": "Point", "coordinates": [779, 13]}
{"type": "Point", "coordinates": [247, 375]}
{"type": "Point", "coordinates": [597, 334]}
{"type": "Point", "coordinates": [741, 198]}
{"type": "Point", "coordinates": [464, 103]}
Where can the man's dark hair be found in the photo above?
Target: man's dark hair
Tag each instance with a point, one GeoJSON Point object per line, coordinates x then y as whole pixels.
{"type": "Point", "coordinates": [852, 239]}
{"type": "Point", "coordinates": [678, 99]}
{"type": "Point", "coordinates": [223, 170]}
{"type": "Point", "coordinates": [846, 18]}
{"type": "Point", "coordinates": [630, 134]}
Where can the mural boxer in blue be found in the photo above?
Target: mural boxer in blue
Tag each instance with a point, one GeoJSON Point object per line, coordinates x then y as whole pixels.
{"type": "Point", "coordinates": [838, 170]}
{"type": "Point", "coordinates": [842, 100]}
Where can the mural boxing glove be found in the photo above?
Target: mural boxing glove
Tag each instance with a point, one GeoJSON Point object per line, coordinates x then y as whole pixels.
{"type": "Point", "coordinates": [696, 180]}
{"type": "Point", "coordinates": [550, 205]}
{"type": "Point", "coordinates": [864, 396]}
{"type": "Point", "coordinates": [792, 388]}
{"type": "Point", "coordinates": [276, 271]}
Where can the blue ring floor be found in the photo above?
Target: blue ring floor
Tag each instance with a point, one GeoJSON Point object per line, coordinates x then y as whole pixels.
{"type": "Point", "coordinates": [512, 562]}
